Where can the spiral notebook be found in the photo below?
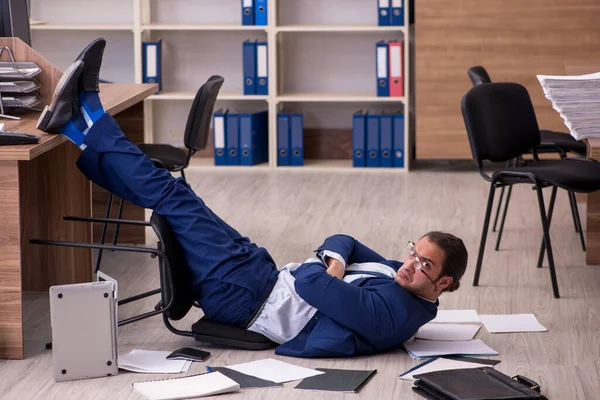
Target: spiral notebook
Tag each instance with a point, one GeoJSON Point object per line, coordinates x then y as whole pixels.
{"type": "Point", "coordinates": [187, 387]}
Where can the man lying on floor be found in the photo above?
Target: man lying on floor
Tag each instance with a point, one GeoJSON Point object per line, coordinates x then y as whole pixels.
{"type": "Point", "coordinates": [347, 301]}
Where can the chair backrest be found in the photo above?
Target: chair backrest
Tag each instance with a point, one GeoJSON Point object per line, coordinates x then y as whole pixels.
{"type": "Point", "coordinates": [182, 294]}
{"type": "Point", "coordinates": [197, 128]}
{"type": "Point", "coordinates": [478, 75]}
{"type": "Point", "coordinates": [500, 121]}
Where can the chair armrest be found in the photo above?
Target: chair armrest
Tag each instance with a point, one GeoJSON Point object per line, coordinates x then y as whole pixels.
{"type": "Point", "coordinates": [545, 147]}
{"type": "Point", "coordinates": [106, 220]}
{"type": "Point", "coordinates": [133, 249]}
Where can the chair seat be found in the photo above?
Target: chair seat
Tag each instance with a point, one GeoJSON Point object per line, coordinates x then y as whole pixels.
{"type": "Point", "coordinates": [170, 156]}
{"type": "Point", "coordinates": [565, 141]}
{"type": "Point", "coordinates": [575, 175]}
{"type": "Point", "coordinates": [212, 332]}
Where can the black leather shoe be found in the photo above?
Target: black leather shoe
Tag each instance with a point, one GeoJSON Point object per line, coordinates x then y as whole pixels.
{"type": "Point", "coordinates": [65, 102]}
{"type": "Point", "coordinates": [92, 61]}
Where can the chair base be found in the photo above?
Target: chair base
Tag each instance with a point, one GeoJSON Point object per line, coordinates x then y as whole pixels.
{"type": "Point", "coordinates": [213, 332]}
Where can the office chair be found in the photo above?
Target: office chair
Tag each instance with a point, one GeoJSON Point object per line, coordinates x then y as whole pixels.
{"type": "Point", "coordinates": [554, 142]}
{"type": "Point", "coordinates": [501, 125]}
{"type": "Point", "coordinates": [176, 296]}
{"type": "Point", "coordinates": [173, 158]}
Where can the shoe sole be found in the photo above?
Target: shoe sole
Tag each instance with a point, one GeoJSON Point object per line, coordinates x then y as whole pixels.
{"type": "Point", "coordinates": [88, 81]}
{"type": "Point", "coordinates": [45, 122]}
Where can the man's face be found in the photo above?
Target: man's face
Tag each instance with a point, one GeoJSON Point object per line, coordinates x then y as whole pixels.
{"type": "Point", "coordinates": [420, 282]}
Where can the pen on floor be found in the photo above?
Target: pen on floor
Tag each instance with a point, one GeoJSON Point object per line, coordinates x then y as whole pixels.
{"type": "Point", "coordinates": [208, 369]}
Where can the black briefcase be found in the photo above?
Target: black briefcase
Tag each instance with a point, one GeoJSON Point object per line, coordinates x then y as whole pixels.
{"type": "Point", "coordinates": [475, 384]}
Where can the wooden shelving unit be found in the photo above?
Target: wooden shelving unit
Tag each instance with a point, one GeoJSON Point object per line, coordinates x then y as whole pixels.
{"type": "Point", "coordinates": [286, 35]}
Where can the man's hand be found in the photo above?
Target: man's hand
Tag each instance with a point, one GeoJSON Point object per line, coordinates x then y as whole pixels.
{"type": "Point", "coordinates": [335, 268]}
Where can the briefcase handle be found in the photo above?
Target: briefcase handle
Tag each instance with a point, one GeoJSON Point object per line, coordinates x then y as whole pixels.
{"type": "Point", "coordinates": [530, 383]}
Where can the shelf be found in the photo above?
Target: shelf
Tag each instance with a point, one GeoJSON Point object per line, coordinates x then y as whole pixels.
{"type": "Point", "coordinates": [81, 27]}
{"type": "Point", "coordinates": [339, 28]}
{"type": "Point", "coordinates": [209, 163]}
{"type": "Point", "coordinates": [202, 27]}
{"type": "Point", "coordinates": [338, 166]}
{"type": "Point", "coordinates": [309, 165]}
{"type": "Point", "coordinates": [339, 97]}
{"type": "Point", "coordinates": [189, 95]}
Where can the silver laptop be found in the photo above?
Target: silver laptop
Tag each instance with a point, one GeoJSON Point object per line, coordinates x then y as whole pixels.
{"type": "Point", "coordinates": [84, 330]}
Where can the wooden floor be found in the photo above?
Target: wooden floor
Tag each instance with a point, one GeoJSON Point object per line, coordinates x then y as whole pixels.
{"type": "Point", "coordinates": [291, 212]}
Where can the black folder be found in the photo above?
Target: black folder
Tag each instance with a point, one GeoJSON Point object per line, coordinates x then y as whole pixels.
{"type": "Point", "coordinates": [337, 380]}
{"type": "Point", "coordinates": [474, 384]}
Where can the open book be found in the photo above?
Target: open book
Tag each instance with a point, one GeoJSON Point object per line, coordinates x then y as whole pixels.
{"type": "Point", "coordinates": [577, 100]}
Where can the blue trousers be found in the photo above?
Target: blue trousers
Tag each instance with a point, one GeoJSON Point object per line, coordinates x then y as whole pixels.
{"type": "Point", "coordinates": [231, 276]}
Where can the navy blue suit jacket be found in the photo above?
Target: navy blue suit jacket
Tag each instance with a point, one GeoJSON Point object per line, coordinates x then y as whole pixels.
{"type": "Point", "coordinates": [367, 316]}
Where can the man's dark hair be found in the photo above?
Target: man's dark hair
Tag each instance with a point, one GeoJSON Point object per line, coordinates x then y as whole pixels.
{"type": "Point", "coordinates": [455, 256]}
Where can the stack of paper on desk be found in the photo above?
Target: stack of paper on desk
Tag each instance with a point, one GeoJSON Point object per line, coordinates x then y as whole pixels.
{"type": "Point", "coordinates": [152, 362]}
{"type": "Point", "coordinates": [577, 100]}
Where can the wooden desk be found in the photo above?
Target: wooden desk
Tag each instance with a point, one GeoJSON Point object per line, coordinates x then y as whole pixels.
{"type": "Point", "coordinates": [592, 236]}
{"type": "Point", "coordinates": [39, 184]}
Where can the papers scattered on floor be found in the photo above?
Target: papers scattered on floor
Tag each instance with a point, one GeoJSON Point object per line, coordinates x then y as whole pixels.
{"type": "Point", "coordinates": [430, 348]}
{"type": "Point", "coordinates": [577, 100]}
{"type": "Point", "coordinates": [152, 362]}
{"type": "Point", "coordinates": [456, 316]}
{"type": "Point", "coordinates": [187, 387]}
{"type": "Point", "coordinates": [274, 370]}
{"type": "Point", "coordinates": [447, 331]}
{"type": "Point", "coordinates": [438, 364]}
{"type": "Point", "coordinates": [512, 323]}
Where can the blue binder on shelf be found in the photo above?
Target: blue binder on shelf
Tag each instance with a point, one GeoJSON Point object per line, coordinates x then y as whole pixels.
{"type": "Point", "coordinates": [219, 139]}
{"type": "Point", "coordinates": [382, 65]}
{"type": "Point", "coordinates": [254, 144]}
{"type": "Point", "coordinates": [383, 8]}
{"type": "Point", "coordinates": [151, 63]}
{"type": "Point", "coordinates": [249, 67]}
{"type": "Point", "coordinates": [372, 140]}
{"type": "Point", "coordinates": [260, 12]}
{"type": "Point", "coordinates": [385, 140]}
{"type": "Point", "coordinates": [283, 139]}
{"type": "Point", "coordinates": [247, 12]}
{"type": "Point", "coordinates": [397, 13]}
{"type": "Point", "coordinates": [359, 138]}
{"type": "Point", "coordinates": [232, 138]}
{"type": "Point", "coordinates": [262, 68]}
{"type": "Point", "coordinates": [296, 139]}
{"type": "Point", "coordinates": [398, 132]}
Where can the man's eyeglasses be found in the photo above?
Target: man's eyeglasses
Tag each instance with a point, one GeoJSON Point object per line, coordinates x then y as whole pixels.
{"type": "Point", "coordinates": [419, 265]}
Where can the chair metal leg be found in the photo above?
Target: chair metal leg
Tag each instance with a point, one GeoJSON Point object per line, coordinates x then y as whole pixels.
{"type": "Point", "coordinates": [507, 165]}
{"type": "Point", "coordinates": [119, 214]}
{"type": "Point", "coordinates": [546, 228]}
{"type": "Point", "coordinates": [103, 234]}
{"type": "Point", "coordinates": [550, 210]}
{"type": "Point", "coordinates": [486, 224]}
{"type": "Point", "coordinates": [498, 209]}
{"type": "Point", "coordinates": [575, 210]}
{"type": "Point", "coordinates": [499, 238]}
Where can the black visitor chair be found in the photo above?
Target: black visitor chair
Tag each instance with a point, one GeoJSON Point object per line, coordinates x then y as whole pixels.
{"type": "Point", "coordinates": [501, 125]}
{"type": "Point", "coordinates": [170, 157]}
{"type": "Point", "coordinates": [176, 297]}
{"type": "Point", "coordinates": [552, 142]}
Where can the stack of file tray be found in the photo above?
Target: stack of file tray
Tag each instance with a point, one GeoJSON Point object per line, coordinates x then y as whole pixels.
{"type": "Point", "coordinates": [18, 87]}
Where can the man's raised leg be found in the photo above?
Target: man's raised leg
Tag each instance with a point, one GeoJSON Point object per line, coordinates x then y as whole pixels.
{"type": "Point", "coordinates": [230, 279]}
